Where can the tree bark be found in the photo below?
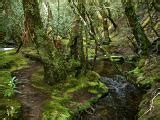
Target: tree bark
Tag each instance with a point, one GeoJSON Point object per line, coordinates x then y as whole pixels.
{"type": "Point", "coordinates": [138, 32]}
{"type": "Point", "coordinates": [35, 32]}
{"type": "Point", "coordinates": [105, 25]}
{"type": "Point", "coordinates": [76, 41]}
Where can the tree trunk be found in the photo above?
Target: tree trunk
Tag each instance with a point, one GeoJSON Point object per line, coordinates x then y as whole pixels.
{"type": "Point", "coordinates": [105, 25]}
{"type": "Point", "coordinates": [138, 32]}
{"type": "Point", "coordinates": [75, 37]}
{"type": "Point", "coordinates": [35, 32]}
{"type": "Point", "coordinates": [76, 41]}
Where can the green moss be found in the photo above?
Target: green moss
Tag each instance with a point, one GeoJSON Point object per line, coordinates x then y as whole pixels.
{"type": "Point", "coordinates": [12, 61]}
{"type": "Point", "coordinates": [149, 80]}
{"type": "Point", "coordinates": [139, 74]}
{"type": "Point", "coordinates": [93, 76]}
{"type": "Point", "coordinates": [147, 72]}
{"type": "Point", "coordinates": [9, 61]}
{"type": "Point", "coordinates": [54, 110]}
{"type": "Point", "coordinates": [144, 83]}
{"type": "Point", "coordinates": [4, 76]}
{"type": "Point", "coordinates": [141, 63]}
{"type": "Point", "coordinates": [37, 80]}
{"type": "Point", "coordinates": [157, 101]}
{"type": "Point", "coordinates": [116, 58]}
{"type": "Point", "coordinates": [69, 96]}
{"type": "Point", "coordinates": [157, 117]}
{"type": "Point", "coordinates": [154, 114]}
{"type": "Point", "coordinates": [119, 59]}
{"type": "Point", "coordinates": [93, 91]}
{"type": "Point", "coordinates": [74, 63]}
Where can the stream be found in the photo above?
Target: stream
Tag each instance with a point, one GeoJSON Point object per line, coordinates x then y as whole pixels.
{"type": "Point", "coordinates": [121, 103]}
{"type": "Point", "coordinates": [6, 49]}
{"type": "Point", "coordinates": [123, 98]}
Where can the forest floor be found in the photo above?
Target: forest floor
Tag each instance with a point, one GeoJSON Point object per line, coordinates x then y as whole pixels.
{"type": "Point", "coordinates": [31, 98]}
{"type": "Point", "coordinates": [34, 99]}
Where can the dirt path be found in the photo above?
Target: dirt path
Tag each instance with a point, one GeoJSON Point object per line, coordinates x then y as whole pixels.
{"type": "Point", "coordinates": [32, 99]}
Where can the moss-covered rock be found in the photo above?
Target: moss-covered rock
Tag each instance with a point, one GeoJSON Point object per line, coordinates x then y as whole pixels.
{"type": "Point", "coordinates": [70, 96]}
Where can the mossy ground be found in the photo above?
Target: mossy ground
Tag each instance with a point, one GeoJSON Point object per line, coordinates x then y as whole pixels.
{"type": "Point", "coordinates": [148, 78]}
{"type": "Point", "coordinates": [69, 96]}
{"type": "Point", "coordinates": [9, 108]}
{"type": "Point", "coordinates": [11, 61]}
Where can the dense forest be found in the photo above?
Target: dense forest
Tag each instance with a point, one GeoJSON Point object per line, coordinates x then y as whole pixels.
{"type": "Point", "coordinates": [79, 60]}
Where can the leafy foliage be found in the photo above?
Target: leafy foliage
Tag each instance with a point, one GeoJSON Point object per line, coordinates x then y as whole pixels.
{"type": "Point", "coordinates": [8, 88]}
{"type": "Point", "coordinates": [61, 18]}
{"type": "Point", "coordinates": [12, 21]}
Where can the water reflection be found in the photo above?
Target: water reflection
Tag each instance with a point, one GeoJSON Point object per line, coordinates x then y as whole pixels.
{"type": "Point", "coordinates": [6, 49]}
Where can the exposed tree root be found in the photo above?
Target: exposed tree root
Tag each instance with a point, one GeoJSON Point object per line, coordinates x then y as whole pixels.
{"type": "Point", "coordinates": [151, 106]}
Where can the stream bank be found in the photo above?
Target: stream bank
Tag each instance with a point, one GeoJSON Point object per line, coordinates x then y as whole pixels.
{"type": "Point", "coordinates": [74, 101]}
{"type": "Point", "coordinates": [148, 78]}
{"type": "Point", "coordinates": [69, 96]}
{"type": "Point", "coordinates": [123, 98]}
{"type": "Point", "coordinates": [121, 103]}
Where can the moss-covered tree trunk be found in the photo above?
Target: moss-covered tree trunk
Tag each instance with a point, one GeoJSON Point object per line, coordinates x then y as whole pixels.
{"type": "Point", "coordinates": [34, 31]}
{"type": "Point", "coordinates": [76, 41]}
{"type": "Point", "coordinates": [104, 14]}
{"type": "Point", "coordinates": [138, 32]}
{"type": "Point", "coordinates": [75, 38]}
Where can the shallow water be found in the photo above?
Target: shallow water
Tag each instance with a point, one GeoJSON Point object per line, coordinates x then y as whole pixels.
{"type": "Point", "coordinates": [6, 49]}
{"type": "Point", "coordinates": [121, 103]}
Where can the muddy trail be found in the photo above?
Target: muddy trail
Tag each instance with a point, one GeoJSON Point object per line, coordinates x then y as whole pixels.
{"type": "Point", "coordinates": [31, 98]}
